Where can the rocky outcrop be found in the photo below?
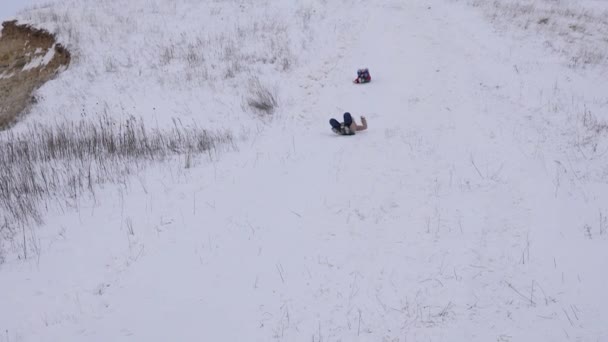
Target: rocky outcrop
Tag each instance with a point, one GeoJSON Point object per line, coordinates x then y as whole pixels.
{"type": "Point", "coordinates": [29, 57]}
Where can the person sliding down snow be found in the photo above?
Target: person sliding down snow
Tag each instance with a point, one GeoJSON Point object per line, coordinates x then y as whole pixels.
{"type": "Point", "coordinates": [363, 76]}
{"type": "Point", "coordinates": [349, 126]}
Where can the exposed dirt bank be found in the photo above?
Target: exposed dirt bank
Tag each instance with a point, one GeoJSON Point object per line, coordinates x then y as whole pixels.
{"type": "Point", "coordinates": [29, 57]}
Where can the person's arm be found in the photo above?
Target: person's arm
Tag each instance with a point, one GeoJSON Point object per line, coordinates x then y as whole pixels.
{"type": "Point", "coordinates": [363, 125]}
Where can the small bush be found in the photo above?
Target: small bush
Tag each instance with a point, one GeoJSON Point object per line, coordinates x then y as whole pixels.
{"type": "Point", "coordinates": [261, 98]}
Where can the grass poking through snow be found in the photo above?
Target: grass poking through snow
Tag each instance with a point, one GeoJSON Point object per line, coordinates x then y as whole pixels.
{"type": "Point", "coordinates": [45, 165]}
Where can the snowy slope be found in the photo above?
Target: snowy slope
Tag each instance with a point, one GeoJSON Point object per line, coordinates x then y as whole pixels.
{"type": "Point", "coordinates": [471, 210]}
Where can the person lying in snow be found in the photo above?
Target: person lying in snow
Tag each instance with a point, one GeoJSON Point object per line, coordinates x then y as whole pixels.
{"type": "Point", "coordinates": [349, 126]}
{"type": "Point", "coordinates": [363, 76]}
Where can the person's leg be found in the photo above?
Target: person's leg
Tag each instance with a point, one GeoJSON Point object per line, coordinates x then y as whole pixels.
{"type": "Point", "coordinates": [334, 123]}
{"type": "Point", "coordinates": [348, 120]}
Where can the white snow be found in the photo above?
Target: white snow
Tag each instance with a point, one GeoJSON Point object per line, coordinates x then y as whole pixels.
{"type": "Point", "coordinates": [473, 208]}
{"type": "Point", "coordinates": [40, 60]}
{"type": "Point", "coordinates": [6, 75]}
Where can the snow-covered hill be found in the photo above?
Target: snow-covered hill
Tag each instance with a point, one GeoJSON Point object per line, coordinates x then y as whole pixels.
{"type": "Point", "coordinates": [473, 208]}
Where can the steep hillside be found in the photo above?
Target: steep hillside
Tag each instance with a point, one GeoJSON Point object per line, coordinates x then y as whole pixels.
{"type": "Point", "coordinates": [187, 185]}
